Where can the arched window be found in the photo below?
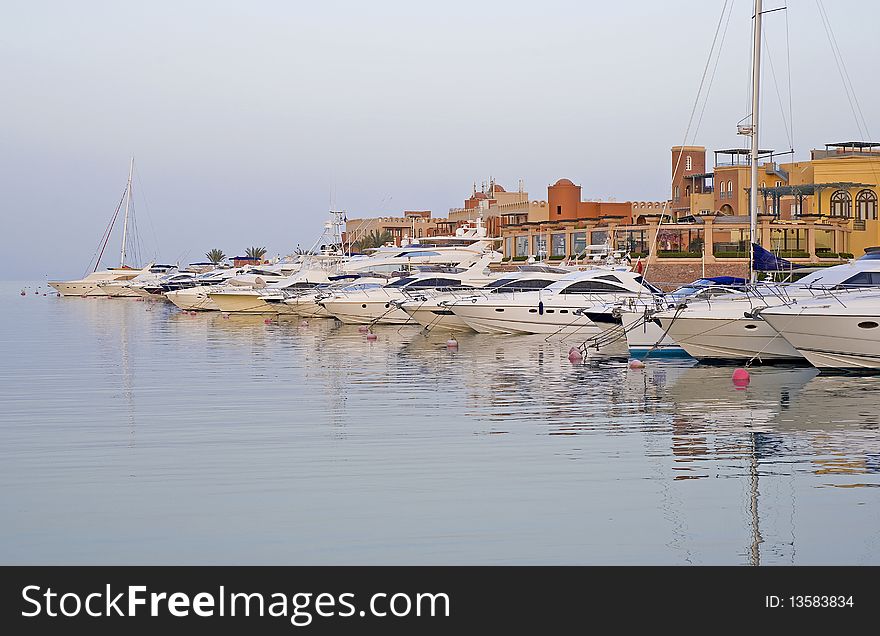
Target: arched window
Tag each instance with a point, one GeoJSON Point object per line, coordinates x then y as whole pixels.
{"type": "Point", "coordinates": [687, 191]}
{"type": "Point", "coordinates": [730, 187]}
{"type": "Point", "coordinates": [677, 191]}
{"type": "Point", "coordinates": [866, 205]}
{"type": "Point", "coordinates": [722, 188]}
{"type": "Point", "coordinates": [841, 203]}
{"type": "Point", "coordinates": [688, 163]}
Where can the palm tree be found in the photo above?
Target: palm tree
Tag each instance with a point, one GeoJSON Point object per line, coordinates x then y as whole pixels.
{"type": "Point", "coordinates": [215, 256]}
{"type": "Point", "coordinates": [372, 240]}
{"type": "Point", "coordinates": [256, 253]}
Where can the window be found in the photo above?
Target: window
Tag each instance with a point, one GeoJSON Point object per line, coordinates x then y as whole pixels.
{"type": "Point", "coordinates": [508, 245]}
{"type": "Point", "coordinates": [862, 279]}
{"type": "Point", "coordinates": [730, 189]}
{"type": "Point", "coordinates": [522, 246]}
{"type": "Point", "coordinates": [687, 191]}
{"type": "Point", "coordinates": [841, 202]}
{"type": "Point", "coordinates": [591, 287]}
{"type": "Point", "coordinates": [677, 193]}
{"type": "Point", "coordinates": [722, 189]}
{"type": "Point", "coordinates": [436, 283]}
{"type": "Point", "coordinates": [778, 183]}
{"type": "Point", "coordinates": [540, 246]}
{"type": "Point", "coordinates": [688, 163]}
{"type": "Point", "coordinates": [558, 209]}
{"type": "Point", "coordinates": [522, 285]}
{"type": "Point", "coordinates": [557, 245]}
{"type": "Point", "coordinates": [866, 205]}
{"type": "Point", "coordinates": [578, 242]}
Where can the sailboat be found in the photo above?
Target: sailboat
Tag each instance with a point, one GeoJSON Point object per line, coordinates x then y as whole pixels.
{"type": "Point", "coordinates": [91, 284]}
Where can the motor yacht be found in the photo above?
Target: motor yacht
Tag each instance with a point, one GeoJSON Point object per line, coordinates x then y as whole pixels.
{"type": "Point", "coordinates": [551, 310]}
{"type": "Point", "coordinates": [430, 308]}
{"type": "Point", "coordinates": [730, 327]}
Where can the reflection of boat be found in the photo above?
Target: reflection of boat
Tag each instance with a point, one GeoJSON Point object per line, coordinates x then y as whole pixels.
{"type": "Point", "coordinates": [707, 394]}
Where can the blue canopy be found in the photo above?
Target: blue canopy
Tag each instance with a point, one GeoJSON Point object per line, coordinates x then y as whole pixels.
{"type": "Point", "coordinates": [766, 261]}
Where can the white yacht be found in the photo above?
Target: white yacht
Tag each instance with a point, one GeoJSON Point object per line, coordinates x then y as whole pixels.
{"type": "Point", "coordinates": [376, 305]}
{"type": "Point", "coordinates": [631, 319]}
{"type": "Point", "coordinates": [552, 310]}
{"type": "Point", "coordinates": [306, 304]}
{"type": "Point", "coordinates": [730, 328]}
{"type": "Point", "coordinates": [840, 329]}
{"type": "Point", "coordinates": [91, 285]}
{"type": "Point", "coordinates": [430, 308]}
{"type": "Point", "coordinates": [135, 287]}
{"type": "Point", "coordinates": [247, 295]}
{"type": "Point", "coordinates": [192, 294]}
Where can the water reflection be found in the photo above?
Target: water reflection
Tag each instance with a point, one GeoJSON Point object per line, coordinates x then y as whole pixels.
{"type": "Point", "coordinates": [292, 442]}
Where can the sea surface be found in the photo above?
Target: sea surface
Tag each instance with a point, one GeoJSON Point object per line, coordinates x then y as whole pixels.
{"type": "Point", "coordinates": [133, 433]}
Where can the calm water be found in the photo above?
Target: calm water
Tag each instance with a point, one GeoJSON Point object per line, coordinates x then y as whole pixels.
{"type": "Point", "coordinates": [132, 433]}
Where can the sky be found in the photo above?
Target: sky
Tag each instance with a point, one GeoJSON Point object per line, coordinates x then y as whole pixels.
{"type": "Point", "coordinates": [249, 120]}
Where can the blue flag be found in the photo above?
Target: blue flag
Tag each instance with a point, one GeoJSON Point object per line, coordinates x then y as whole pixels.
{"type": "Point", "coordinates": [766, 261]}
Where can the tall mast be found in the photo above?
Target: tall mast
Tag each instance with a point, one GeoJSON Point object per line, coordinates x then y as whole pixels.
{"type": "Point", "coordinates": [127, 206]}
{"type": "Point", "coordinates": [756, 85]}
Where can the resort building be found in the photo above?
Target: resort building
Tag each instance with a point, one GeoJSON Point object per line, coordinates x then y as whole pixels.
{"type": "Point", "coordinates": [413, 224]}
{"type": "Point", "coordinates": [812, 212]}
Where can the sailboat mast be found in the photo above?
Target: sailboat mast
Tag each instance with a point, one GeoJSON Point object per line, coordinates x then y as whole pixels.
{"type": "Point", "coordinates": [127, 206]}
{"type": "Point", "coordinates": [756, 86]}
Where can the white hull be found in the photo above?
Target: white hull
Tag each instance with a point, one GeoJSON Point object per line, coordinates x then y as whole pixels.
{"type": "Point", "coordinates": [193, 299]}
{"type": "Point", "coordinates": [432, 318]}
{"type": "Point", "coordinates": [119, 291]}
{"type": "Point", "coordinates": [78, 288]}
{"type": "Point", "coordinates": [307, 308]}
{"type": "Point", "coordinates": [524, 319]}
{"type": "Point", "coordinates": [830, 341]}
{"type": "Point", "coordinates": [242, 303]}
{"type": "Point", "coordinates": [643, 336]}
{"type": "Point", "coordinates": [728, 339]}
{"type": "Point", "coordinates": [365, 311]}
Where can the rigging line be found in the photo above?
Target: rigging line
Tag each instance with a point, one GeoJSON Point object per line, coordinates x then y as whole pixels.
{"type": "Point", "coordinates": [788, 67]}
{"type": "Point", "coordinates": [706, 69]}
{"type": "Point", "coordinates": [834, 54]}
{"type": "Point", "coordinates": [778, 94]}
{"type": "Point", "coordinates": [106, 236]}
{"type": "Point", "coordinates": [845, 70]}
{"type": "Point", "coordinates": [143, 193]}
{"type": "Point", "coordinates": [686, 134]}
{"type": "Point", "coordinates": [714, 69]}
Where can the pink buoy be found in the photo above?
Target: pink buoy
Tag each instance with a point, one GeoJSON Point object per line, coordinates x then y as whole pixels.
{"type": "Point", "coordinates": [452, 343]}
{"type": "Point", "coordinates": [225, 316]}
{"type": "Point", "coordinates": [304, 323]}
{"type": "Point", "coordinates": [575, 355]}
{"type": "Point", "coordinates": [741, 378]}
{"type": "Point", "coordinates": [363, 329]}
{"type": "Point", "coordinates": [371, 336]}
{"type": "Point", "coordinates": [268, 321]}
{"type": "Point", "coordinates": [636, 364]}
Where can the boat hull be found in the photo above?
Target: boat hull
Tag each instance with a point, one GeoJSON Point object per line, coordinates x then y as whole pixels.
{"type": "Point", "coordinates": [434, 318]}
{"type": "Point", "coordinates": [830, 342]}
{"type": "Point", "coordinates": [78, 288]}
{"type": "Point", "coordinates": [242, 303]}
{"type": "Point", "coordinates": [366, 311]}
{"type": "Point", "coordinates": [524, 319]}
{"type": "Point", "coordinates": [726, 339]}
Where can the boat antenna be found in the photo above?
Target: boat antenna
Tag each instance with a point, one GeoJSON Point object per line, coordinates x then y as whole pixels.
{"type": "Point", "coordinates": [127, 206]}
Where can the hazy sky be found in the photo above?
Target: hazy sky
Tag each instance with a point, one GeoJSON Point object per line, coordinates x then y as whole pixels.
{"type": "Point", "coordinates": [246, 117]}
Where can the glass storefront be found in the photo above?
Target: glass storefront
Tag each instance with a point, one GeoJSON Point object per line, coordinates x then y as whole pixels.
{"type": "Point", "coordinates": [557, 245]}
{"type": "Point", "coordinates": [522, 246]}
{"type": "Point", "coordinates": [578, 242]}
